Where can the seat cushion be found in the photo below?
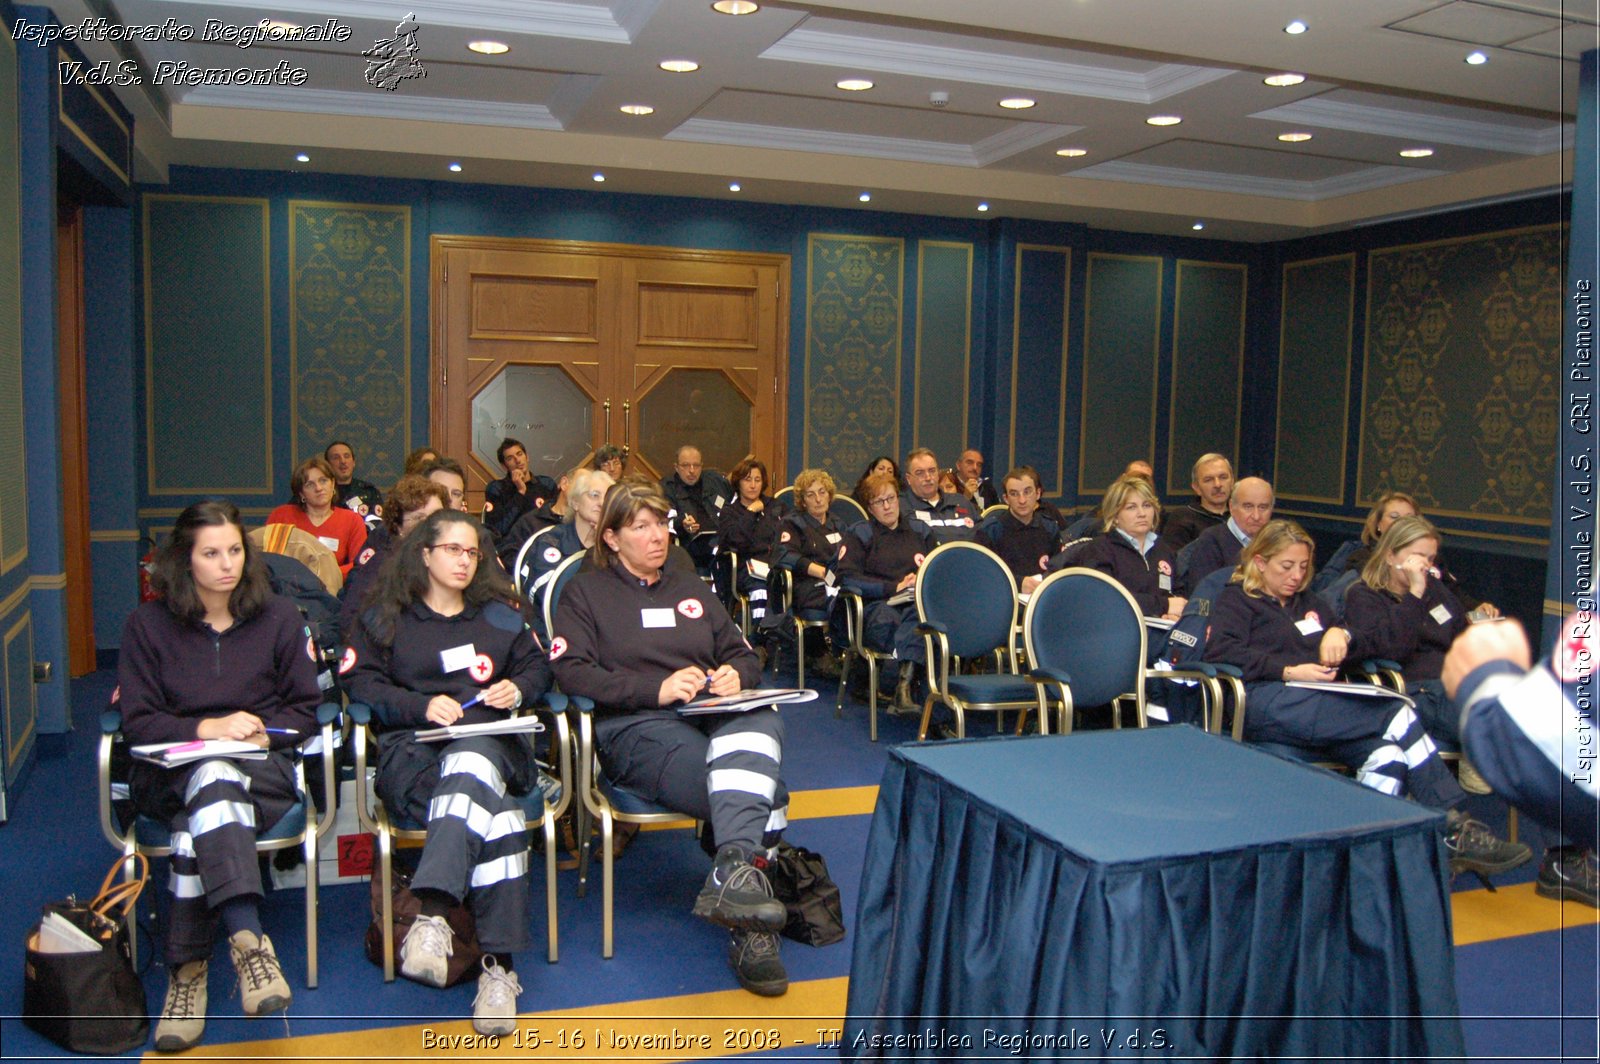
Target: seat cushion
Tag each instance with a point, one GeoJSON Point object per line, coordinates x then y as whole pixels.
{"type": "Point", "coordinates": [985, 688]}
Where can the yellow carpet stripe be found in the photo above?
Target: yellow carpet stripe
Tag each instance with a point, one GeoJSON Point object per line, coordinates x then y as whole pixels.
{"type": "Point", "coordinates": [721, 1023]}
{"type": "Point", "coordinates": [808, 805]}
{"type": "Point", "coordinates": [1511, 911]}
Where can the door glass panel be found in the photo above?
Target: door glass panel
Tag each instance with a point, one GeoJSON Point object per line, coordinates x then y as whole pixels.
{"type": "Point", "coordinates": [699, 407]}
{"type": "Point", "coordinates": [542, 407]}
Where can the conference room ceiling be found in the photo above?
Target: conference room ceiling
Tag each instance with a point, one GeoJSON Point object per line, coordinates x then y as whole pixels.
{"type": "Point", "coordinates": [763, 109]}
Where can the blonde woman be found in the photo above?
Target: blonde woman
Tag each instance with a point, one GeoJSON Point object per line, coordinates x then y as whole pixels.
{"type": "Point", "coordinates": [1129, 551]}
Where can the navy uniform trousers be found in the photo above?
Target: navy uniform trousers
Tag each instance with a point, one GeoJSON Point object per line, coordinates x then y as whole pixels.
{"type": "Point", "coordinates": [466, 792]}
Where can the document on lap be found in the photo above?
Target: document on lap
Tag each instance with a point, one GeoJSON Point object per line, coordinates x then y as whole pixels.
{"type": "Point", "coordinates": [508, 726]}
{"type": "Point", "coordinates": [171, 755]}
{"type": "Point", "coordinates": [752, 698]}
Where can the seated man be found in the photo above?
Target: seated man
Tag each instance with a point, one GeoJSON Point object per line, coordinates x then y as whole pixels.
{"type": "Point", "coordinates": [944, 517]}
{"type": "Point", "coordinates": [551, 511]}
{"type": "Point", "coordinates": [1218, 547]}
{"type": "Point", "coordinates": [514, 494]}
{"type": "Point", "coordinates": [1024, 537]}
{"type": "Point", "coordinates": [348, 490]}
{"type": "Point", "coordinates": [1212, 480]}
{"type": "Point", "coordinates": [697, 495]}
{"type": "Point", "coordinates": [974, 485]}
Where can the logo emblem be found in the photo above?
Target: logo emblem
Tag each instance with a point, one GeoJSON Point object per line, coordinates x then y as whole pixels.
{"type": "Point", "coordinates": [1165, 567]}
{"type": "Point", "coordinates": [552, 554]}
{"type": "Point", "coordinates": [347, 662]}
{"type": "Point", "coordinates": [558, 647]}
{"type": "Point", "coordinates": [1044, 562]}
{"type": "Point", "coordinates": [784, 538]}
{"type": "Point", "coordinates": [918, 558]}
{"type": "Point", "coordinates": [311, 649]}
{"type": "Point", "coordinates": [366, 556]}
{"type": "Point", "coordinates": [692, 609]}
{"type": "Point", "coordinates": [1311, 615]}
{"type": "Point", "coordinates": [481, 668]}
{"type": "Point", "coordinates": [391, 61]}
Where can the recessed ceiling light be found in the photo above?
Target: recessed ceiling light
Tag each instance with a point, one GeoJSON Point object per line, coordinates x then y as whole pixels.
{"type": "Point", "coordinates": [1163, 120]}
{"type": "Point", "coordinates": [1416, 153]}
{"type": "Point", "coordinates": [1072, 153]}
{"type": "Point", "coordinates": [865, 197]}
{"type": "Point", "coordinates": [302, 158]}
{"type": "Point", "coordinates": [983, 206]}
{"type": "Point", "coordinates": [1016, 103]}
{"type": "Point", "coordinates": [1281, 81]}
{"type": "Point", "coordinates": [679, 66]}
{"type": "Point", "coordinates": [637, 109]}
{"type": "Point", "coordinates": [1295, 27]}
{"type": "Point", "coordinates": [488, 47]}
{"type": "Point", "coordinates": [599, 177]}
{"type": "Point", "coordinates": [733, 186]}
{"type": "Point", "coordinates": [454, 168]}
{"type": "Point", "coordinates": [1198, 225]}
{"type": "Point", "coordinates": [735, 7]}
{"type": "Point", "coordinates": [853, 84]}
{"type": "Point", "coordinates": [1294, 138]}
{"type": "Point", "coordinates": [1476, 59]}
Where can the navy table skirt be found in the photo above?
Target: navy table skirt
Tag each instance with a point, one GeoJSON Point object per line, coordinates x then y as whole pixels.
{"type": "Point", "coordinates": [1162, 893]}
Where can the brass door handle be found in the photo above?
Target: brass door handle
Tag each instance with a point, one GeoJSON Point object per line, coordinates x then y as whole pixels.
{"type": "Point", "coordinates": [627, 427]}
{"type": "Point", "coordinates": [607, 406]}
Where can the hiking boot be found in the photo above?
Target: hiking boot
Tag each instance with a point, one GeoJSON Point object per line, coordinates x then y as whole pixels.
{"type": "Point", "coordinates": [1474, 848]}
{"type": "Point", "coordinates": [1471, 782]}
{"type": "Point", "coordinates": [903, 701]}
{"type": "Point", "coordinates": [425, 953]}
{"type": "Point", "coordinates": [755, 960]}
{"type": "Point", "coordinates": [737, 895]}
{"type": "Point", "coordinates": [183, 1014]}
{"type": "Point", "coordinates": [262, 987]}
{"type": "Point", "coordinates": [494, 1010]}
{"type": "Point", "coordinates": [1568, 873]}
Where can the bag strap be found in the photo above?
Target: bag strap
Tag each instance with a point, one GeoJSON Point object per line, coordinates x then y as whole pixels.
{"type": "Point", "coordinates": [121, 897]}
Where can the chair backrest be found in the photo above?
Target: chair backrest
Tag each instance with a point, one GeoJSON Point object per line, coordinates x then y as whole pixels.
{"type": "Point", "coordinates": [1085, 623]}
{"type": "Point", "coordinates": [552, 590]}
{"type": "Point", "coordinates": [786, 493]}
{"type": "Point", "coordinates": [968, 589]}
{"type": "Point", "coordinates": [1187, 641]}
{"type": "Point", "coordinates": [523, 567]}
{"type": "Point", "coordinates": [997, 508]}
{"type": "Point", "coordinates": [846, 511]}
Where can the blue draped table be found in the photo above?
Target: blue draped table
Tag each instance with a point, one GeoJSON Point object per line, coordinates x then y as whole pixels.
{"type": "Point", "coordinates": [1162, 893]}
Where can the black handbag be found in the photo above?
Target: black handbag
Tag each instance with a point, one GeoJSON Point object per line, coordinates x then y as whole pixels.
{"type": "Point", "coordinates": [800, 880]}
{"type": "Point", "coordinates": [92, 1001]}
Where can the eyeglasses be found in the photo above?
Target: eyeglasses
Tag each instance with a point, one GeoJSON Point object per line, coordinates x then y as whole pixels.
{"type": "Point", "coordinates": [456, 550]}
{"type": "Point", "coordinates": [885, 500]}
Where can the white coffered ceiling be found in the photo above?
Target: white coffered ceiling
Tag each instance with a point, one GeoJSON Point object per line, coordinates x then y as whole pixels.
{"type": "Point", "coordinates": [763, 110]}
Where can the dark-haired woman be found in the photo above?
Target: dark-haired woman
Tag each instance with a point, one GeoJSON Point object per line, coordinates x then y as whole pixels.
{"type": "Point", "coordinates": [879, 559]}
{"type": "Point", "coordinates": [217, 656]}
{"type": "Point", "coordinates": [438, 636]}
{"type": "Point", "coordinates": [339, 529]}
{"type": "Point", "coordinates": [749, 527]}
{"type": "Point", "coordinates": [881, 464]}
{"type": "Point", "coordinates": [641, 639]}
{"type": "Point", "coordinates": [1266, 624]}
{"type": "Point", "coordinates": [408, 505]}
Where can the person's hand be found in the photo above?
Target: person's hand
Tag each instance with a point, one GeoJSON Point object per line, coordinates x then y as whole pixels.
{"type": "Point", "coordinates": [443, 710]}
{"type": "Point", "coordinates": [690, 525]}
{"type": "Point", "coordinates": [816, 572]}
{"type": "Point", "coordinates": [521, 478]}
{"type": "Point", "coordinates": [1175, 607]}
{"type": "Point", "coordinates": [756, 507]}
{"type": "Point", "coordinates": [503, 694]}
{"type": "Point", "coordinates": [682, 686]}
{"type": "Point", "coordinates": [1483, 643]}
{"type": "Point", "coordinates": [1031, 582]}
{"type": "Point", "coordinates": [725, 681]}
{"type": "Point", "coordinates": [1309, 671]}
{"type": "Point", "coordinates": [972, 485]}
{"type": "Point", "coordinates": [1490, 610]}
{"type": "Point", "coordinates": [909, 580]}
{"type": "Point", "coordinates": [240, 727]}
{"type": "Point", "coordinates": [1334, 646]}
{"type": "Point", "coordinates": [1415, 570]}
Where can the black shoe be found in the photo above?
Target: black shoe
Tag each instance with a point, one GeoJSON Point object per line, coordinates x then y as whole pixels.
{"type": "Point", "coordinates": [755, 960]}
{"type": "Point", "coordinates": [1474, 848]}
{"type": "Point", "coordinates": [1568, 873]}
{"type": "Point", "coordinates": [824, 667]}
{"type": "Point", "coordinates": [737, 895]}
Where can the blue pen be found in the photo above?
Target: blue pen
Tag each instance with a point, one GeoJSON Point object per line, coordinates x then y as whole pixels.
{"type": "Point", "coordinates": [280, 731]}
{"type": "Point", "coordinates": [474, 700]}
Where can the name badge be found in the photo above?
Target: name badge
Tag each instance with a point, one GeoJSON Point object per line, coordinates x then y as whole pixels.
{"type": "Point", "coordinates": [1440, 613]}
{"type": "Point", "coordinates": [1308, 626]}
{"type": "Point", "coordinates": [1164, 582]}
{"type": "Point", "coordinates": [329, 542]}
{"type": "Point", "coordinates": [457, 658]}
{"type": "Point", "coordinates": [663, 617]}
{"type": "Point", "coordinates": [834, 537]}
{"type": "Point", "coordinates": [719, 502]}
{"type": "Point", "coordinates": [925, 516]}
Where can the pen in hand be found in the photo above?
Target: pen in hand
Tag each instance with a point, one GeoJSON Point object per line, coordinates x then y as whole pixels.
{"type": "Point", "coordinates": [281, 731]}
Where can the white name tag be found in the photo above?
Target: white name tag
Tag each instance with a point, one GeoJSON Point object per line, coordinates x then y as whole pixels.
{"type": "Point", "coordinates": [828, 578]}
{"type": "Point", "coordinates": [834, 537]}
{"type": "Point", "coordinates": [1440, 613]}
{"type": "Point", "coordinates": [664, 617]}
{"type": "Point", "coordinates": [329, 542]}
{"type": "Point", "coordinates": [1164, 582]}
{"type": "Point", "coordinates": [457, 658]}
{"type": "Point", "coordinates": [1308, 626]}
{"type": "Point", "coordinates": [719, 502]}
{"type": "Point", "coordinates": [925, 516]}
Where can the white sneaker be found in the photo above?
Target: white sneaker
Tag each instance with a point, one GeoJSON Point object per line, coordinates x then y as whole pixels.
{"type": "Point", "coordinates": [425, 953]}
{"type": "Point", "coordinates": [1471, 782]}
{"type": "Point", "coordinates": [494, 1010]}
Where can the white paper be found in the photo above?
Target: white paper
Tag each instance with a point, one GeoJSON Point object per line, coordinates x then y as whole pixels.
{"type": "Point", "coordinates": [508, 726]}
{"type": "Point", "coordinates": [57, 934]}
{"type": "Point", "coordinates": [661, 617]}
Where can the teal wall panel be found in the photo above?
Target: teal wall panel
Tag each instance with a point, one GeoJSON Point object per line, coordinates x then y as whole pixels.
{"type": "Point", "coordinates": [14, 502]}
{"type": "Point", "coordinates": [1461, 403]}
{"type": "Point", "coordinates": [208, 347]}
{"type": "Point", "coordinates": [944, 348]}
{"type": "Point", "coordinates": [1314, 378]}
{"type": "Point", "coordinates": [1207, 366]}
{"type": "Point", "coordinates": [853, 309]}
{"type": "Point", "coordinates": [350, 333]}
{"type": "Point", "coordinates": [1122, 334]}
{"type": "Point", "coordinates": [1041, 302]}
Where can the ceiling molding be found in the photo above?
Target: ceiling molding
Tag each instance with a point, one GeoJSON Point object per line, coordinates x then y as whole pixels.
{"type": "Point", "coordinates": [747, 135]}
{"type": "Point", "coordinates": [1329, 113]}
{"type": "Point", "coordinates": [1019, 138]}
{"type": "Point", "coordinates": [375, 105]}
{"type": "Point", "coordinates": [826, 48]}
{"type": "Point", "coordinates": [1280, 188]}
{"type": "Point", "coordinates": [540, 18]}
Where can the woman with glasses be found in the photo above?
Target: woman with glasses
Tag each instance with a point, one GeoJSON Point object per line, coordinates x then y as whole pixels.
{"type": "Point", "coordinates": [408, 505]}
{"type": "Point", "coordinates": [809, 545]}
{"type": "Point", "coordinates": [878, 560]}
{"type": "Point", "coordinates": [442, 645]}
{"type": "Point", "coordinates": [338, 528]}
{"type": "Point", "coordinates": [586, 498]}
{"type": "Point", "coordinates": [749, 528]}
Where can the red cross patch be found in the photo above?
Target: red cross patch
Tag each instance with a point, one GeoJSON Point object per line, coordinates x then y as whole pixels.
{"type": "Point", "coordinates": [311, 649]}
{"type": "Point", "coordinates": [1311, 615]}
{"type": "Point", "coordinates": [116, 692]}
{"type": "Point", "coordinates": [558, 647]}
{"type": "Point", "coordinates": [347, 662]}
{"type": "Point", "coordinates": [918, 558]}
{"type": "Point", "coordinates": [552, 554]}
{"type": "Point", "coordinates": [784, 538]}
{"type": "Point", "coordinates": [692, 609]}
{"type": "Point", "coordinates": [1165, 567]}
{"type": "Point", "coordinates": [487, 506]}
{"type": "Point", "coordinates": [481, 668]}
{"type": "Point", "coordinates": [967, 522]}
{"type": "Point", "coordinates": [1044, 562]}
{"type": "Point", "coordinates": [1573, 658]}
{"type": "Point", "coordinates": [366, 556]}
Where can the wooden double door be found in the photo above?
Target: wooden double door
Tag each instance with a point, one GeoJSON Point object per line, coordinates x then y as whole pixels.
{"type": "Point", "coordinates": [567, 346]}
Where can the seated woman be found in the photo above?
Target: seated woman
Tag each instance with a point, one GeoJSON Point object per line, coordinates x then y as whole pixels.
{"type": "Point", "coordinates": [749, 528]}
{"type": "Point", "coordinates": [339, 529]}
{"type": "Point", "coordinates": [417, 459]}
{"type": "Point", "coordinates": [442, 645]}
{"type": "Point", "coordinates": [1405, 613]}
{"type": "Point", "coordinates": [881, 464]}
{"type": "Point", "coordinates": [217, 656]}
{"type": "Point", "coordinates": [1267, 625]}
{"type": "Point", "coordinates": [640, 639]}
{"type": "Point", "coordinates": [413, 499]}
{"type": "Point", "coordinates": [610, 460]}
{"type": "Point", "coordinates": [1129, 551]}
{"type": "Point", "coordinates": [878, 559]}
{"type": "Point", "coordinates": [809, 545]}
{"type": "Point", "coordinates": [586, 498]}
